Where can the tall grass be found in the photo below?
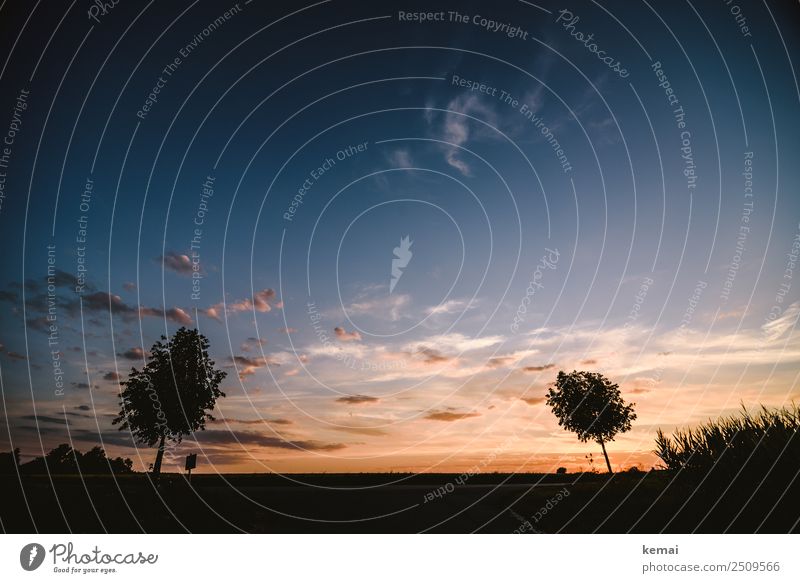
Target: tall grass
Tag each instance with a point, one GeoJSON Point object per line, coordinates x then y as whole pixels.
{"type": "Point", "coordinates": [762, 443]}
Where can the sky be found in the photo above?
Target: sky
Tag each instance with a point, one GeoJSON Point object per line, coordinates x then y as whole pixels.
{"type": "Point", "coordinates": [396, 222]}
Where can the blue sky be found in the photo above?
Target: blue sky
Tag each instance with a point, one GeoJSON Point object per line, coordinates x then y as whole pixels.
{"type": "Point", "coordinates": [434, 374]}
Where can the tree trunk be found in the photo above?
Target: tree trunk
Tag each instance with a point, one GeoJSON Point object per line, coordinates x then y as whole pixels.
{"type": "Point", "coordinates": [159, 457]}
{"type": "Point", "coordinates": [608, 463]}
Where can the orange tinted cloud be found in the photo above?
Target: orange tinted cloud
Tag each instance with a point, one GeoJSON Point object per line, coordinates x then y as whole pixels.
{"type": "Point", "coordinates": [499, 361]}
{"type": "Point", "coordinates": [248, 366]}
{"type": "Point", "coordinates": [226, 420]}
{"type": "Point", "coordinates": [135, 353]}
{"type": "Point", "coordinates": [177, 262]}
{"type": "Point", "coordinates": [449, 416]}
{"type": "Point", "coordinates": [533, 400]}
{"type": "Point", "coordinates": [357, 399]}
{"type": "Point", "coordinates": [538, 368]}
{"type": "Point", "coordinates": [346, 336]}
{"type": "Point", "coordinates": [262, 301]}
{"type": "Point", "coordinates": [432, 356]}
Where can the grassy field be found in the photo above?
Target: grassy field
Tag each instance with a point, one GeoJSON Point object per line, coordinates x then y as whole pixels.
{"type": "Point", "coordinates": [493, 503]}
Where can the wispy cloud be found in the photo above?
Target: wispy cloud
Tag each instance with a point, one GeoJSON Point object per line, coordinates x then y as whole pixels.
{"type": "Point", "coordinates": [357, 399]}
{"type": "Point", "coordinates": [262, 301]}
{"type": "Point", "coordinates": [533, 400]}
{"type": "Point", "coordinates": [232, 420]}
{"type": "Point", "coordinates": [388, 307]}
{"type": "Point", "coordinates": [432, 356]}
{"type": "Point", "coordinates": [370, 431]}
{"type": "Point", "coordinates": [179, 263]}
{"type": "Point", "coordinates": [345, 336]}
{"type": "Point", "coordinates": [96, 302]}
{"type": "Point", "coordinates": [776, 328]}
{"type": "Point", "coordinates": [455, 341]}
{"type": "Point", "coordinates": [540, 368]}
{"type": "Point", "coordinates": [458, 129]}
{"type": "Point", "coordinates": [135, 353]}
{"type": "Point", "coordinates": [248, 366]}
{"type": "Point", "coordinates": [251, 343]}
{"type": "Point", "coordinates": [448, 307]}
{"type": "Point", "coordinates": [449, 416]}
{"type": "Point", "coordinates": [400, 158]}
{"type": "Point", "coordinates": [216, 436]}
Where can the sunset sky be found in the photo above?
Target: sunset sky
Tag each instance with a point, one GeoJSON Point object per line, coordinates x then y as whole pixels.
{"type": "Point", "coordinates": [289, 150]}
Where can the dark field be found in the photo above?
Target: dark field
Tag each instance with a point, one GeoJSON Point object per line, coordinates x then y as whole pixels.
{"type": "Point", "coordinates": [365, 503]}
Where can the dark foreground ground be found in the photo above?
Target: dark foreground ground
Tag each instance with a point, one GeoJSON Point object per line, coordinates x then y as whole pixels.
{"type": "Point", "coordinates": [393, 503]}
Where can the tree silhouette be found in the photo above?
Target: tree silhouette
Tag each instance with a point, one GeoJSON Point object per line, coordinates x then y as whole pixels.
{"type": "Point", "coordinates": [63, 459]}
{"type": "Point", "coordinates": [9, 461]}
{"type": "Point", "coordinates": [171, 396]}
{"type": "Point", "coordinates": [591, 406]}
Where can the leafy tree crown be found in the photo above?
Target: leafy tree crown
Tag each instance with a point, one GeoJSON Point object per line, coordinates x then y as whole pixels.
{"type": "Point", "coordinates": [174, 392]}
{"type": "Point", "coordinates": [590, 405]}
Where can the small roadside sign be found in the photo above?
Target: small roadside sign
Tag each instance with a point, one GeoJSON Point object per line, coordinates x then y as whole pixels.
{"type": "Point", "coordinates": [191, 463]}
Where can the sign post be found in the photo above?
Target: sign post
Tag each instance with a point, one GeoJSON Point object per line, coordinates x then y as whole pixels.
{"type": "Point", "coordinates": [191, 462]}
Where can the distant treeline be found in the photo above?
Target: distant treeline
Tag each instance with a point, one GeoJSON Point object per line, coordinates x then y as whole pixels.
{"type": "Point", "coordinates": [744, 447]}
{"type": "Point", "coordinates": [66, 460]}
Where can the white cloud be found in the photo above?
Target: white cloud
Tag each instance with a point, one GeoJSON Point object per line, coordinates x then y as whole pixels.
{"type": "Point", "coordinates": [448, 307]}
{"type": "Point", "coordinates": [346, 336]}
{"type": "Point", "coordinates": [400, 158]}
{"type": "Point", "coordinates": [778, 327]}
{"type": "Point", "coordinates": [454, 342]}
{"type": "Point", "coordinates": [458, 128]}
